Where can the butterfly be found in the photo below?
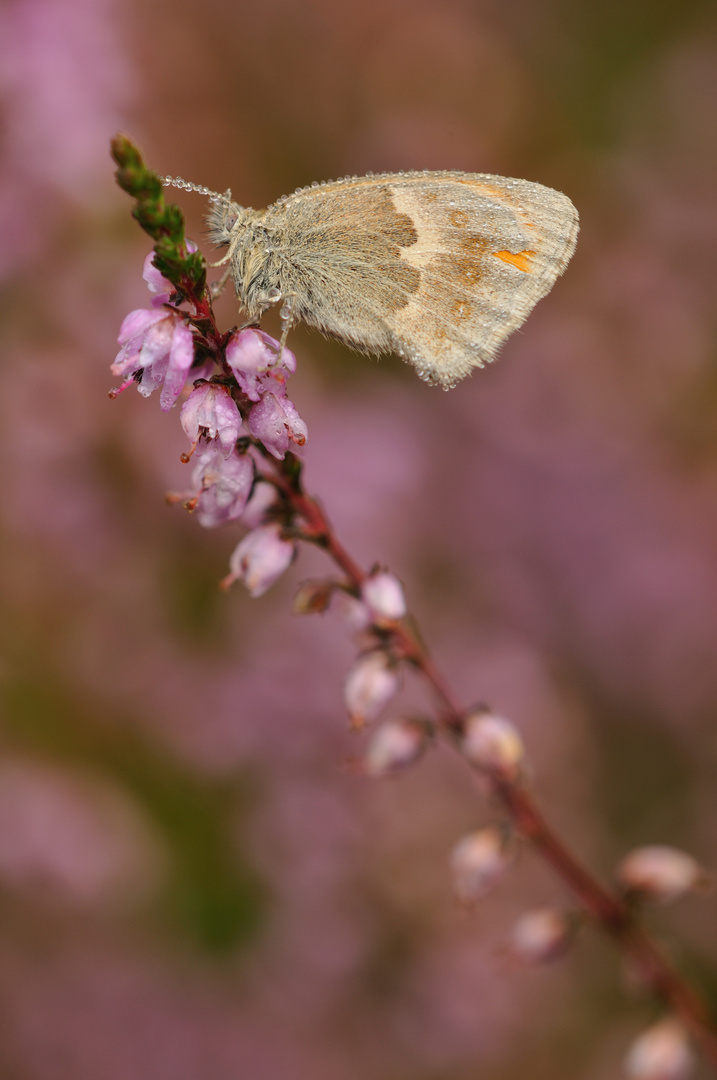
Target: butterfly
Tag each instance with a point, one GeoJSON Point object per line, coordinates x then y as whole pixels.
{"type": "Point", "coordinates": [437, 267]}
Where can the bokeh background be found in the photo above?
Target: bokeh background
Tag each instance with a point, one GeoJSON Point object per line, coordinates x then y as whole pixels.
{"type": "Point", "coordinates": [195, 882]}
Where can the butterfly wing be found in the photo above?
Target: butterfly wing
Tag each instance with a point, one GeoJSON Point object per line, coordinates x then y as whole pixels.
{"type": "Point", "coordinates": [439, 267]}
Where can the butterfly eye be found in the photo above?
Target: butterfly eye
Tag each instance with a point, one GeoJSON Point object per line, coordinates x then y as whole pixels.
{"type": "Point", "coordinates": [230, 220]}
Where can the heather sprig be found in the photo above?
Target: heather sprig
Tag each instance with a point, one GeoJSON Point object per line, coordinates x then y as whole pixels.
{"type": "Point", "coordinates": [185, 269]}
{"type": "Point", "coordinates": [246, 439]}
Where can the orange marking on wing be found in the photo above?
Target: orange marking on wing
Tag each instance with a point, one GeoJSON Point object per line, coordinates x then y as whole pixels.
{"type": "Point", "coordinates": [459, 218]}
{"type": "Point", "coordinates": [521, 260]}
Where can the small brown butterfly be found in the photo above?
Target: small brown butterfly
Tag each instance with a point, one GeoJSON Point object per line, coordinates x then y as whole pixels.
{"type": "Point", "coordinates": [438, 267]}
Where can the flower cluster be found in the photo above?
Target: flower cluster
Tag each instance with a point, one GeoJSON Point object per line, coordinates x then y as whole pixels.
{"type": "Point", "coordinates": [235, 414]}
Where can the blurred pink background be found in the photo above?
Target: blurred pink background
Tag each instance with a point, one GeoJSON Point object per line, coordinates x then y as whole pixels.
{"type": "Point", "coordinates": [193, 880]}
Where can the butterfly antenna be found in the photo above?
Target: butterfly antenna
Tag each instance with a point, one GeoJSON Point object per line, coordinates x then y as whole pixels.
{"type": "Point", "coordinates": [201, 189]}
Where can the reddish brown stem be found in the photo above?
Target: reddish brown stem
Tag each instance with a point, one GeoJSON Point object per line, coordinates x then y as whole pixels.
{"type": "Point", "coordinates": [609, 912]}
{"type": "Point", "coordinates": [605, 908]}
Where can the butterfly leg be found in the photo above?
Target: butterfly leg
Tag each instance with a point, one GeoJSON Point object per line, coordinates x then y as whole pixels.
{"type": "Point", "coordinates": [287, 320]}
{"type": "Point", "coordinates": [217, 287]}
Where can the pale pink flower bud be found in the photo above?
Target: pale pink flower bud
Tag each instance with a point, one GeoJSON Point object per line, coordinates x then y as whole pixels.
{"type": "Point", "coordinates": [394, 746]}
{"type": "Point", "coordinates": [383, 595]}
{"type": "Point", "coordinates": [221, 486]}
{"type": "Point", "coordinates": [261, 558]}
{"type": "Point", "coordinates": [660, 873]}
{"type": "Point", "coordinates": [492, 743]}
{"type": "Point", "coordinates": [541, 935]}
{"type": "Point", "coordinates": [478, 862]}
{"type": "Point", "coordinates": [254, 357]}
{"type": "Point", "coordinates": [277, 424]}
{"type": "Point", "coordinates": [662, 1053]}
{"type": "Point", "coordinates": [370, 685]}
{"type": "Point", "coordinates": [210, 412]}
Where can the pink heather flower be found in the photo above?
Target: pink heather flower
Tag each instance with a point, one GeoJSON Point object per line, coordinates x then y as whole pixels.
{"type": "Point", "coordinates": [541, 935]}
{"type": "Point", "coordinates": [383, 595]}
{"type": "Point", "coordinates": [161, 288]}
{"type": "Point", "coordinates": [211, 413]}
{"type": "Point", "coordinates": [253, 356]}
{"type": "Point", "coordinates": [261, 558]}
{"type": "Point", "coordinates": [157, 285]}
{"type": "Point", "coordinates": [370, 685]}
{"type": "Point", "coordinates": [478, 862]}
{"type": "Point", "coordinates": [394, 746]}
{"type": "Point", "coordinates": [493, 743]}
{"type": "Point", "coordinates": [222, 486]}
{"type": "Point", "coordinates": [662, 1053]}
{"type": "Point", "coordinates": [262, 498]}
{"type": "Point", "coordinates": [159, 344]}
{"type": "Point", "coordinates": [660, 873]}
{"type": "Point", "coordinates": [277, 424]}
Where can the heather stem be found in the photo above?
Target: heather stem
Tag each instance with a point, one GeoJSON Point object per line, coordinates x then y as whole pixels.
{"type": "Point", "coordinates": [605, 908]}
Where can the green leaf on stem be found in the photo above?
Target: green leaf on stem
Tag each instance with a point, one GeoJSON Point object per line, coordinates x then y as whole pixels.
{"type": "Point", "coordinates": [163, 222]}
